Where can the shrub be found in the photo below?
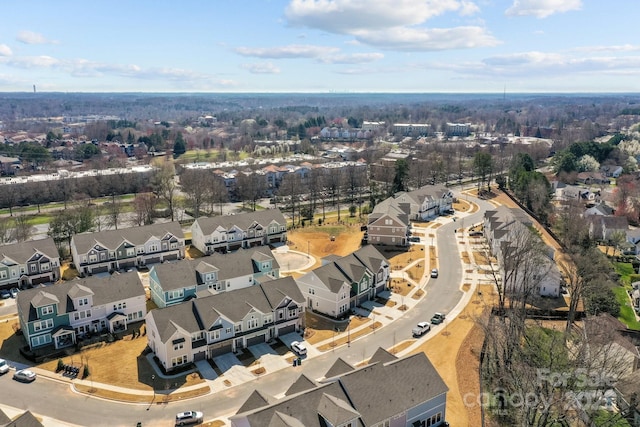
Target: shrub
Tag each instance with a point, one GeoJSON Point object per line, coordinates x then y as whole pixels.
{"type": "Point", "coordinates": [60, 366]}
{"type": "Point", "coordinates": [85, 371]}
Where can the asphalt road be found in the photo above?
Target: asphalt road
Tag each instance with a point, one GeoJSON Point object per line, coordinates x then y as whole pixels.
{"type": "Point", "coordinates": [56, 400]}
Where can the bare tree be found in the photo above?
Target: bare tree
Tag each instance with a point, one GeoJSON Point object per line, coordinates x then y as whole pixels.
{"type": "Point", "coordinates": [164, 186]}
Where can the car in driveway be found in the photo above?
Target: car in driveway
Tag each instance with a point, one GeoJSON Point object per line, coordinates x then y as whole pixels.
{"type": "Point", "coordinates": [189, 417]}
{"type": "Point", "coordinates": [14, 292]}
{"type": "Point", "coordinates": [434, 273]}
{"type": "Point", "coordinates": [414, 239]}
{"type": "Point", "coordinates": [437, 318]}
{"type": "Point", "coordinates": [421, 329]}
{"type": "Point", "coordinates": [4, 367]}
{"type": "Point", "coordinates": [5, 294]}
{"type": "Point", "coordinates": [25, 376]}
{"type": "Point", "coordinates": [299, 348]}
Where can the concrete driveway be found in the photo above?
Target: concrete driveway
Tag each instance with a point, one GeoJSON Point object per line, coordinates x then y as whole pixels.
{"type": "Point", "coordinates": [227, 361]}
{"type": "Point", "coordinates": [261, 349]}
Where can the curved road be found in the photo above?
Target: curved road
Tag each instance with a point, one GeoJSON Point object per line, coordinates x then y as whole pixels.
{"type": "Point", "coordinates": [57, 400]}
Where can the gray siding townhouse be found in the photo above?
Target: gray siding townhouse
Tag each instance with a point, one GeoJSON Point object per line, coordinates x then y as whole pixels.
{"type": "Point", "coordinates": [345, 282]}
{"type": "Point", "coordinates": [231, 232]}
{"type": "Point", "coordinates": [29, 263]}
{"type": "Point", "coordinates": [391, 392]}
{"type": "Point", "coordinates": [60, 314]}
{"type": "Point", "coordinates": [205, 327]}
{"type": "Point", "coordinates": [175, 282]}
{"type": "Point", "coordinates": [122, 249]}
{"type": "Point", "coordinates": [389, 222]}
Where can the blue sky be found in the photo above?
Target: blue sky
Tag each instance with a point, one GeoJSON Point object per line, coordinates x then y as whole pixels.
{"type": "Point", "coordinates": [320, 46]}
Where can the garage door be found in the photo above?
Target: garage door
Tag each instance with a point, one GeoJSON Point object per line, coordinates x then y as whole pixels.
{"type": "Point", "coordinates": [218, 349]}
{"type": "Point", "coordinates": [38, 280]}
{"type": "Point", "coordinates": [152, 260]}
{"type": "Point", "coordinates": [199, 356]}
{"type": "Point", "coordinates": [255, 340]}
{"type": "Point", "coordinates": [286, 330]}
{"type": "Point", "coordinates": [100, 269]}
{"type": "Point", "coordinates": [171, 257]}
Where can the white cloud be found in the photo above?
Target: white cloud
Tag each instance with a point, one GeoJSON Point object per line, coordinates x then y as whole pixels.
{"type": "Point", "coordinates": [390, 24]}
{"type": "Point", "coordinates": [28, 62]}
{"type": "Point", "coordinates": [418, 39]}
{"type": "Point", "coordinates": [612, 48]}
{"type": "Point", "coordinates": [291, 51]}
{"type": "Point", "coordinates": [29, 37]}
{"type": "Point", "coordinates": [262, 68]}
{"type": "Point", "coordinates": [542, 8]}
{"type": "Point", "coordinates": [355, 58]}
{"type": "Point", "coordinates": [344, 16]}
{"type": "Point", "coordinates": [5, 50]}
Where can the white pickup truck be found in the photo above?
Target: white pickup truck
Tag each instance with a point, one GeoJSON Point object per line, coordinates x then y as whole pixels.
{"type": "Point", "coordinates": [421, 329]}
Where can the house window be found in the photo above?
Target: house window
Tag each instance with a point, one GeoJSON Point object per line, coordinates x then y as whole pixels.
{"type": "Point", "coordinates": [197, 336]}
{"type": "Point", "coordinates": [153, 247]}
{"type": "Point", "coordinates": [47, 310]}
{"type": "Point", "coordinates": [215, 335]}
{"type": "Point", "coordinates": [83, 301]}
{"type": "Point", "coordinates": [41, 340]}
{"type": "Point", "coordinates": [79, 315]}
{"type": "Point", "coordinates": [34, 268]}
{"type": "Point", "coordinates": [252, 323]}
{"type": "Point", "coordinates": [177, 347]}
{"type": "Point", "coordinates": [175, 294]}
{"type": "Point", "coordinates": [45, 324]}
{"type": "Point", "coordinates": [280, 314]}
{"type": "Point", "coordinates": [45, 266]}
{"type": "Point", "coordinates": [130, 252]}
{"type": "Point", "coordinates": [119, 306]}
{"type": "Point", "coordinates": [93, 258]}
{"type": "Point", "coordinates": [268, 319]}
{"type": "Point", "coordinates": [293, 312]}
{"type": "Point", "coordinates": [238, 327]}
{"type": "Point", "coordinates": [312, 291]}
{"type": "Point", "coordinates": [180, 360]}
{"type": "Point", "coordinates": [140, 250]}
{"type": "Point", "coordinates": [228, 331]}
{"type": "Point", "coordinates": [3, 274]}
{"type": "Point", "coordinates": [174, 246]}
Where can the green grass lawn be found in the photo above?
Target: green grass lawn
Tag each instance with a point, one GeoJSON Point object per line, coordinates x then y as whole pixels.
{"type": "Point", "coordinates": [627, 315]}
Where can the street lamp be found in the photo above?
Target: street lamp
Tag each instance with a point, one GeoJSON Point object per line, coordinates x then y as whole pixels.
{"type": "Point", "coordinates": [153, 385]}
{"type": "Point", "coordinates": [308, 247]}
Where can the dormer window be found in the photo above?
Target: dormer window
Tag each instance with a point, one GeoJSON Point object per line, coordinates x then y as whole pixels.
{"type": "Point", "coordinates": [48, 309]}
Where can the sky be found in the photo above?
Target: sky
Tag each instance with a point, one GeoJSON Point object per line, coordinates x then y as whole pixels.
{"type": "Point", "coordinates": [320, 46]}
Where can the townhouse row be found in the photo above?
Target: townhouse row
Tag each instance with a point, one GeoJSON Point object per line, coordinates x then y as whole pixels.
{"type": "Point", "coordinates": [30, 263]}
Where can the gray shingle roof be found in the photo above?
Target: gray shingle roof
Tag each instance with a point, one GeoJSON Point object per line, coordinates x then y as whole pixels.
{"type": "Point", "coordinates": [21, 252]}
{"type": "Point", "coordinates": [256, 400]}
{"type": "Point", "coordinates": [380, 390]}
{"type": "Point", "coordinates": [116, 287]}
{"type": "Point", "coordinates": [244, 221]}
{"type": "Point", "coordinates": [200, 313]}
{"type": "Point", "coordinates": [303, 383]}
{"type": "Point", "coordinates": [339, 367]}
{"type": "Point", "coordinates": [176, 275]}
{"type": "Point", "coordinates": [112, 239]}
{"type": "Point", "coordinates": [372, 394]}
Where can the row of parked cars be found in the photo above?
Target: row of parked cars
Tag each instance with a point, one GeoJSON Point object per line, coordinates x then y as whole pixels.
{"type": "Point", "coordinates": [9, 293]}
{"type": "Point", "coordinates": [424, 327]}
{"type": "Point", "coordinates": [22, 375]}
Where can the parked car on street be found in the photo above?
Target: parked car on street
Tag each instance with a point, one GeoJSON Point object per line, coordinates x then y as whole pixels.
{"type": "Point", "coordinates": [4, 366]}
{"type": "Point", "coordinates": [189, 417]}
{"type": "Point", "coordinates": [299, 348]}
{"type": "Point", "coordinates": [434, 273]}
{"type": "Point", "coordinates": [25, 376]}
{"type": "Point", "coordinates": [421, 329]}
{"type": "Point", "coordinates": [414, 239]}
{"type": "Point", "coordinates": [14, 292]}
{"type": "Point", "coordinates": [437, 318]}
{"type": "Point", "coordinates": [5, 294]}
